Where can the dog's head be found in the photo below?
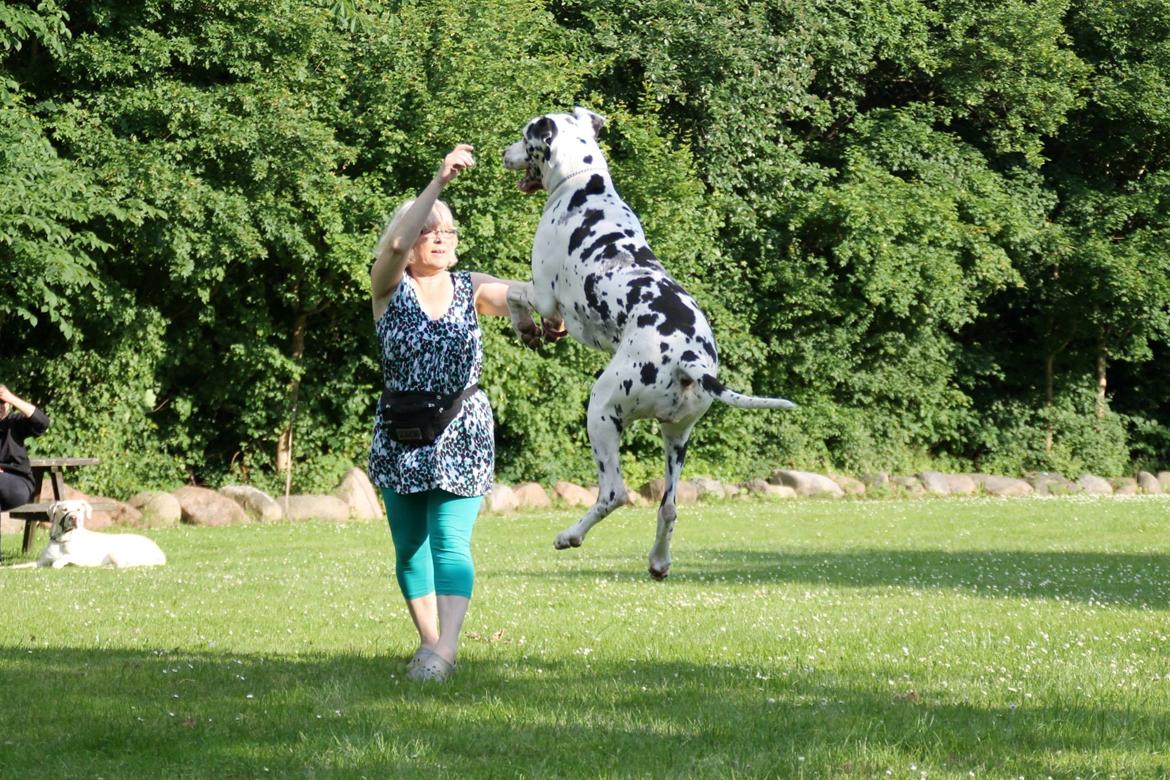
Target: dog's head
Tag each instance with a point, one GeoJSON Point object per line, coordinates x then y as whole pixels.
{"type": "Point", "coordinates": [67, 516]}
{"type": "Point", "coordinates": [555, 141]}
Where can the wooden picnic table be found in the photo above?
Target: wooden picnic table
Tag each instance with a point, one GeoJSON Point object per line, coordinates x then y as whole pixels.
{"type": "Point", "coordinates": [38, 511]}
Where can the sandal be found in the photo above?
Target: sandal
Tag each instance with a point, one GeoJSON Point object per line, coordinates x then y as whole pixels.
{"type": "Point", "coordinates": [433, 668]}
{"type": "Point", "coordinates": [419, 656]}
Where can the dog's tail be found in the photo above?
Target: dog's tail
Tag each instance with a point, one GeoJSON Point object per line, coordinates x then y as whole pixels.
{"type": "Point", "coordinates": [732, 398]}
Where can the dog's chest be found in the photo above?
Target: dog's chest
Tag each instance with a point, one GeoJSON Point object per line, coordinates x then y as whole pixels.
{"type": "Point", "coordinates": [598, 266]}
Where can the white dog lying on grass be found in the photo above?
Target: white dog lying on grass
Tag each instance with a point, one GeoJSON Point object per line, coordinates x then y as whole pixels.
{"type": "Point", "coordinates": [71, 544]}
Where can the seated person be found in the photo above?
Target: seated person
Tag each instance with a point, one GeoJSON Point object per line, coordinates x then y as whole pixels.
{"type": "Point", "coordinates": [16, 479]}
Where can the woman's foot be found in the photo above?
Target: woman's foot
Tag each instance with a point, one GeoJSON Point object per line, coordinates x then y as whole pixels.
{"type": "Point", "coordinates": [432, 668]}
{"type": "Point", "coordinates": [419, 656]}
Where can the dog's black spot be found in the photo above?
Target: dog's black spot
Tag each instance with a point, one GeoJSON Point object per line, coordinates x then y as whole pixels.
{"type": "Point", "coordinates": [593, 299]}
{"type": "Point", "coordinates": [605, 240]}
{"type": "Point", "coordinates": [649, 373]}
{"type": "Point", "coordinates": [709, 348]}
{"type": "Point", "coordinates": [544, 129]}
{"type": "Point", "coordinates": [647, 320]}
{"type": "Point", "coordinates": [587, 159]}
{"type": "Point", "coordinates": [628, 385]}
{"type": "Point", "coordinates": [711, 384]}
{"type": "Point", "coordinates": [689, 357]}
{"type": "Point", "coordinates": [629, 232]}
{"type": "Point", "coordinates": [592, 217]}
{"type": "Point", "coordinates": [671, 303]}
{"type": "Point", "coordinates": [595, 186]}
{"type": "Point", "coordinates": [644, 257]}
{"type": "Point", "coordinates": [634, 290]}
{"type": "Point", "coordinates": [680, 454]}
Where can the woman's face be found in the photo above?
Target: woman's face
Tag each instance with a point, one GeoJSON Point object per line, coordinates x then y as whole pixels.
{"type": "Point", "coordinates": [435, 247]}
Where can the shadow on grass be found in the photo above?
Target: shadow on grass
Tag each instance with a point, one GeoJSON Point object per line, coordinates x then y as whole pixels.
{"type": "Point", "coordinates": [1125, 579]}
{"type": "Point", "coordinates": [70, 712]}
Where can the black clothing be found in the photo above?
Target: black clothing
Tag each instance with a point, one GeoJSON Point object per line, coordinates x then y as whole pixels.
{"type": "Point", "coordinates": [15, 490]}
{"type": "Point", "coordinates": [14, 429]}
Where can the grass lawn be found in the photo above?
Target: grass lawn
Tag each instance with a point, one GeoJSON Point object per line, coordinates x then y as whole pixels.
{"type": "Point", "coordinates": [907, 639]}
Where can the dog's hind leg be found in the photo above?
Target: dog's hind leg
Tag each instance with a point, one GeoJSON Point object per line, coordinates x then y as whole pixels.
{"type": "Point", "coordinates": [674, 439]}
{"type": "Point", "coordinates": [605, 421]}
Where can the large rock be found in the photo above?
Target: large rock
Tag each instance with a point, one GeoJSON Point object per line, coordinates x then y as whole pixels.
{"type": "Point", "coordinates": [910, 486]}
{"type": "Point", "coordinates": [575, 495]}
{"type": "Point", "coordinates": [1095, 486]}
{"type": "Point", "coordinates": [501, 499]}
{"type": "Point", "coordinates": [125, 515]}
{"type": "Point", "coordinates": [159, 510]}
{"type": "Point", "coordinates": [360, 495]}
{"type": "Point", "coordinates": [1005, 487]}
{"type": "Point", "coordinates": [935, 482]}
{"type": "Point", "coordinates": [806, 483]}
{"type": "Point", "coordinates": [313, 507]}
{"type": "Point", "coordinates": [1149, 483]}
{"type": "Point", "coordinates": [203, 506]}
{"type": "Point", "coordinates": [530, 495]}
{"type": "Point", "coordinates": [1052, 484]}
{"type": "Point", "coordinates": [709, 488]}
{"type": "Point", "coordinates": [962, 485]}
{"type": "Point", "coordinates": [760, 487]}
{"type": "Point", "coordinates": [1124, 486]}
{"type": "Point", "coordinates": [257, 504]}
{"type": "Point", "coordinates": [851, 486]}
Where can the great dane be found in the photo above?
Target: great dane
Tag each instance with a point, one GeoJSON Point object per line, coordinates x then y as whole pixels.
{"type": "Point", "coordinates": [593, 268]}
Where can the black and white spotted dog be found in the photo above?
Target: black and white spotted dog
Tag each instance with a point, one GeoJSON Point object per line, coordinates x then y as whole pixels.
{"type": "Point", "coordinates": [592, 266]}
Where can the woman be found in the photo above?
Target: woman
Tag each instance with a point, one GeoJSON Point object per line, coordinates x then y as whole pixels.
{"type": "Point", "coordinates": [16, 480]}
{"type": "Point", "coordinates": [429, 340]}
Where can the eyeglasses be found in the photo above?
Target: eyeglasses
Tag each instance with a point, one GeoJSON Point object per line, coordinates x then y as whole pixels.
{"type": "Point", "coordinates": [447, 233]}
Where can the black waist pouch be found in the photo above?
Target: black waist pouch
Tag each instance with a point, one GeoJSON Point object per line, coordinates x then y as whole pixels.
{"type": "Point", "coordinates": [415, 417]}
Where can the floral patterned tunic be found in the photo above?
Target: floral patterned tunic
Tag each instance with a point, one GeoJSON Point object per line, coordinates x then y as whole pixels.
{"type": "Point", "coordinates": [442, 356]}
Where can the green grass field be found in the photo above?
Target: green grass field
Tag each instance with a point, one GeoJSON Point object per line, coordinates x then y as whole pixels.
{"type": "Point", "coordinates": [906, 639]}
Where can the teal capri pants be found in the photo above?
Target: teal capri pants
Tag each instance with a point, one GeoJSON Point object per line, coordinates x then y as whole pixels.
{"type": "Point", "coordinates": [432, 541]}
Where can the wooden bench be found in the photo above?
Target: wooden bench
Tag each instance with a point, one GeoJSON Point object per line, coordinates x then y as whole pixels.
{"type": "Point", "coordinates": [38, 511]}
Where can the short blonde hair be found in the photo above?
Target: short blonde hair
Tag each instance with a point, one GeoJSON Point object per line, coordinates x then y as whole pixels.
{"type": "Point", "coordinates": [440, 214]}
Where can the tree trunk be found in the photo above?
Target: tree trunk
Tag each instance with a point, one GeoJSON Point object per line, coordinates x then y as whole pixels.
{"type": "Point", "coordinates": [1049, 370]}
{"type": "Point", "coordinates": [284, 445]}
{"type": "Point", "coordinates": [1102, 379]}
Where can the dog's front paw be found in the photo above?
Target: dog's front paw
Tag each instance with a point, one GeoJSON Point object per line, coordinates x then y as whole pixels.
{"type": "Point", "coordinates": [566, 540]}
{"type": "Point", "coordinates": [659, 572]}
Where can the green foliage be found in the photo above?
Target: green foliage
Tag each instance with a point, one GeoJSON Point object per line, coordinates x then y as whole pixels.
{"type": "Point", "coordinates": [895, 212]}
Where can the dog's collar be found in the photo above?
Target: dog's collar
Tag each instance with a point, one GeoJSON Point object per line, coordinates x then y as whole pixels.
{"type": "Point", "coordinates": [552, 191]}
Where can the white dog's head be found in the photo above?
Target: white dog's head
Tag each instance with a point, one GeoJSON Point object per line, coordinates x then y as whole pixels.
{"type": "Point", "coordinates": [554, 146]}
{"type": "Point", "coordinates": [66, 517]}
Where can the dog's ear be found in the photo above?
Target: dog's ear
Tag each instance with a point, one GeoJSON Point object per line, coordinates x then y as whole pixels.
{"type": "Point", "coordinates": [542, 130]}
{"type": "Point", "coordinates": [597, 121]}
{"type": "Point", "coordinates": [86, 513]}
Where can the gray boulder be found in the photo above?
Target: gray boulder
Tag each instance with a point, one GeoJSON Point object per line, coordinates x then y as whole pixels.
{"type": "Point", "coordinates": [1124, 486]}
{"type": "Point", "coordinates": [360, 495]}
{"type": "Point", "coordinates": [1006, 487]}
{"type": "Point", "coordinates": [159, 510]}
{"type": "Point", "coordinates": [1048, 484]}
{"type": "Point", "coordinates": [204, 506]}
{"type": "Point", "coordinates": [935, 482]}
{"type": "Point", "coordinates": [1149, 483]}
{"type": "Point", "coordinates": [574, 495]}
{"type": "Point", "coordinates": [257, 504]}
{"type": "Point", "coordinates": [1095, 486]}
{"type": "Point", "coordinates": [530, 495]}
{"type": "Point", "coordinates": [501, 499]}
{"type": "Point", "coordinates": [907, 485]}
{"type": "Point", "coordinates": [806, 483]}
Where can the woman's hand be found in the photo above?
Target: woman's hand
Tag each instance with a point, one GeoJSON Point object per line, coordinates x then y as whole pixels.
{"type": "Point", "coordinates": [457, 160]}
